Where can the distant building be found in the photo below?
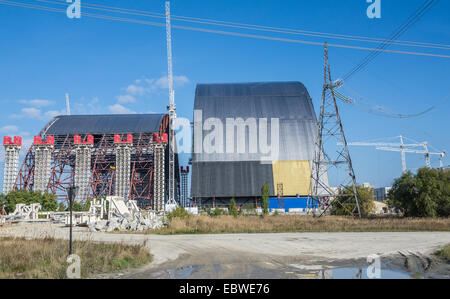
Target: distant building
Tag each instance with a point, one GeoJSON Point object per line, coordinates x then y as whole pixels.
{"type": "Point", "coordinates": [368, 185]}
{"type": "Point", "coordinates": [380, 207]}
{"type": "Point", "coordinates": [381, 194]}
{"type": "Point", "coordinates": [370, 188]}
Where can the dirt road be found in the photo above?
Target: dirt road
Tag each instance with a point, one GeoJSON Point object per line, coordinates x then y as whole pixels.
{"type": "Point", "coordinates": [260, 255]}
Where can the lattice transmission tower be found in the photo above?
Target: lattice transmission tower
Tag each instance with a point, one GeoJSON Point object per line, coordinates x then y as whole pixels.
{"type": "Point", "coordinates": [331, 156]}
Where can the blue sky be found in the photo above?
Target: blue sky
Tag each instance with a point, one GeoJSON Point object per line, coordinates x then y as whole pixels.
{"type": "Point", "coordinates": [117, 67]}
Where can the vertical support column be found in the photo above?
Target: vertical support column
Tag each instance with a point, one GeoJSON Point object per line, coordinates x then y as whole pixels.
{"type": "Point", "coordinates": [83, 152]}
{"type": "Point", "coordinates": [123, 166]}
{"type": "Point", "coordinates": [12, 150]}
{"type": "Point", "coordinates": [43, 157]}
{"type": "Point", "coordinates": [172, 111]}
{"type": "Point", "coordinates": [280, 194]}
{"type": "Point", "coordinates": [159, 195]}
{"type": "Point", "coordinates": [184, 186]}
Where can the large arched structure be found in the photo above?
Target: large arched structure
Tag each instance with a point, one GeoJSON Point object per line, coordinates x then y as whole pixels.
{"type": "Point", "coordinates": [289, 113]}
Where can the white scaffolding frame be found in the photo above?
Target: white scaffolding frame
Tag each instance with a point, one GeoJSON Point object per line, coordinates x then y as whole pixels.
{"type": "Point", "coordinates": [42, 168]}
{"type": "Point", "coordinates": [159, 180]}
{"type": "Point", "coordinates": [82, 178]}
{"type": "Point", "coordinates": [11, 167]}
{"type": "Point", "coordinates": [123, 170]}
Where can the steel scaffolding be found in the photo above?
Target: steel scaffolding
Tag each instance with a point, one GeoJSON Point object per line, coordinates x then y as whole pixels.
{"type": "Point", "coordinates": [70, 164]}
{"type": "Point", "coordinates": [12, 150]}
{"type": "Point", "coordinates": [123, 163]}
{"type": "Point", "coordinates": [43, 159]}
{"type": "Point", "coordinates": [280, 195]}
{"type": "Point", "coordinates": [184, 186]}
{"type": "Point", "coordinates": [83, 153]}
{"type": "Point", "coordinates": [159, 194]}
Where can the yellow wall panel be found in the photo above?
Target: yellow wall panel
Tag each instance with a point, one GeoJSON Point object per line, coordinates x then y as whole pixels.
{"type": "Point", "coordinates": [294, 175]}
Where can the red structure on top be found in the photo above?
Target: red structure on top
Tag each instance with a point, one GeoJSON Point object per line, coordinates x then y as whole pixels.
{"type": "Point", "coordinates": [38, 140]}
{"type": "Point", "coordinates": [17, 140]}
{"type": "Point", "coordinates": [118, 140]}
{"type": "Point", "coordinates": [185, 170]}
{"type": "Point", "coordinates": [77, 139]}
{"type": "Point", "coordinates": [163, 139]}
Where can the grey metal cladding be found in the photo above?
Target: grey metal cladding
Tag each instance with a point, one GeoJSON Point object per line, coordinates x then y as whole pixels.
{"type": "Point", "coordinates": [229, 179]}
{"type": "Point", "coordinates": [250, 89]}
{"type": "Point", "coordinates": [287, 101]}
{"type": "Point", "coordinates": [105, 124]}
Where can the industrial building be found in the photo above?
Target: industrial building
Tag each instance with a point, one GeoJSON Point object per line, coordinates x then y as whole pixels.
{"type": "Point", "coordinates": [103, 155]}
{"type": "Point", "coordinates": [264, 133]}
{"type": "Point", "coordinates": [381, 194]}
{"type": "Point", "coordinates": [245, 135]}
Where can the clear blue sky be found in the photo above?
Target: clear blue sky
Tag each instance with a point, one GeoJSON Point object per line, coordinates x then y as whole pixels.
{"type": "Point", "coordinates": [115, 67]}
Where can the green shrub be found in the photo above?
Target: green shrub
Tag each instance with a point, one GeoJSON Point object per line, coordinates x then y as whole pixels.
{"type": "Point", "coordinates": [233, 208]}
{"type": "Point", "coordinates": [47, 201]}
{"type": "Point", "coordinates": [265, 192]}
{"type": "Point", "coordinates": [444, 253]}
{"type": "Point", "coordinates": [179, 212]}
{"type": "Point", "coordinates": [249, 209]}
{"type": "Point", "coordinates": [347, 205]}
{"type": "Point", "coordinates": [426, 194]}
{"type": "Point", "coordinates": [217, 212]}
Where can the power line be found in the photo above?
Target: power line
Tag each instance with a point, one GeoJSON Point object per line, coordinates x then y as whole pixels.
{"type": "Point", "coordinates": [422, 10]}
{"type": "Point", "coordinates": [378, 110]}
{"type": "Point", "coordinates": [385, 44]}
{"type": "Point", "coordinates": [11, 3]}
{"type": "Point", "coordinates": [255, 27]}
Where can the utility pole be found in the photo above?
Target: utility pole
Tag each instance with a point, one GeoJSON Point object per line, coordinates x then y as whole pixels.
{"type": "Point", "coordinates": [330, 128]}
{"type": "Point", "coordinates": [172, 110]}
{"type": "Point", "coordinates": [71, 192]}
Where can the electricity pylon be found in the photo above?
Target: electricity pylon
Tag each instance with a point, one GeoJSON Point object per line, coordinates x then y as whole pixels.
{"type": "Point", "coordinates": [329, 131]}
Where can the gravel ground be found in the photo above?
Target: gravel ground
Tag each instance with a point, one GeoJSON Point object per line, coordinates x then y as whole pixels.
{"type": "Point", "coordinates": [284, 255]}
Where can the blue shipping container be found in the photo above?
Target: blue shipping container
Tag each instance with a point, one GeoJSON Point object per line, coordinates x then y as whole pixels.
{"type": "Point", "coordinates": [289, 203]}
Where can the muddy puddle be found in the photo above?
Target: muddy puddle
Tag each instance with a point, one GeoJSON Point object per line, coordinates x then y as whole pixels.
{"type": "Point", "coordinates": [233, 271]}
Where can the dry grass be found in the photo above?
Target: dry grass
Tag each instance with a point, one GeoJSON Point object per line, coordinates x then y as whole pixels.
{"type": "Point", "coordinates": [278, 224]}
{"type": "Point", "coordinates": [46, 258]}
{"type": "Point", "coordinates": [444, 253]}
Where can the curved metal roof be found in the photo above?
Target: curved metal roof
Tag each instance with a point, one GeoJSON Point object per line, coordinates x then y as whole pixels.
{"type": "Point", "coordinates": [287, 101]}
{"type": "Point", "coordinates": [105, 124]}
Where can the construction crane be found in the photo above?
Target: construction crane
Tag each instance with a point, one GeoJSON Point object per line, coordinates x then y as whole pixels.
{"type": "Point", "coordinates": [393, 147]}
{"type": "Point", "coordinates": [425, 152]}
{"type": "Point", "coordinates": [404, 148]}
{"type": "Point", "coordinates": [172, 110]}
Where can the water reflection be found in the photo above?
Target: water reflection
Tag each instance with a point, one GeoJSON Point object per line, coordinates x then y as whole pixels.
{"type": "Point", "coordinates": [360, 273]}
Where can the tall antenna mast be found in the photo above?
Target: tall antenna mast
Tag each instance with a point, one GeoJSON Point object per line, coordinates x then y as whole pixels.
{"type": "Point", "coordinates": [67, 104]}
{"type": "Point", "coordinates": [171, 108]}
{"type": "Point", "coordinates": [326, 160]}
